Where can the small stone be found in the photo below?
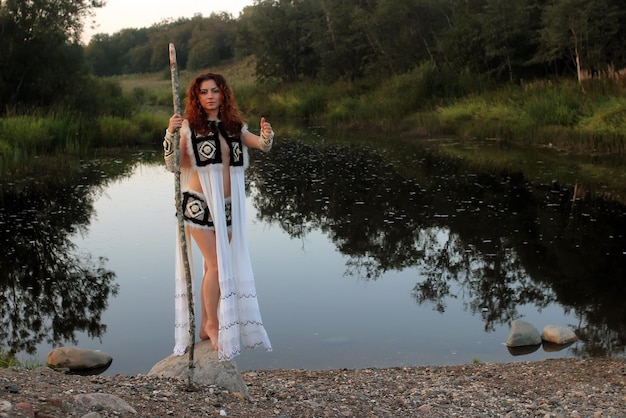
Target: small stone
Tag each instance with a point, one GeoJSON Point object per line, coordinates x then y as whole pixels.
{"type": "Point", "coordinates": [238, 395]}
{"type": "Point", "coordinates": [425, 408]}
{"type": "Point", "coordinates": [55, 402]}
{"type": "Point", "coordinates": [5, 406]}
{"type": "Point", "coordinates": [26, 409]}
{"type": "Point", "coordinates": [102, 401]}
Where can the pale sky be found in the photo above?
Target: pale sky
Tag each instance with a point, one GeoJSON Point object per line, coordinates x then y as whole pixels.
{"type": "Point", "coordinates": [122, 14]}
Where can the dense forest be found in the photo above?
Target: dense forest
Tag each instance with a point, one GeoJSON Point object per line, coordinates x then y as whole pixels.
{"type": "Point", "coordinates": [498, 41]}
{"type": "Point", "coordinates": [329, 39]}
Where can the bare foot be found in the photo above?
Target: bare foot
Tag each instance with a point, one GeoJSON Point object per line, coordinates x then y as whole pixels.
{"type": "Point", "coordinates": [210, 334]}
{"type": "Point", "coordinates": [213, 335]}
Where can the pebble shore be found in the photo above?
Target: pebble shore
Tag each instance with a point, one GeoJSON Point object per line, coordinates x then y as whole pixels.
{"type": "Point", "coordinates": [548, 388]}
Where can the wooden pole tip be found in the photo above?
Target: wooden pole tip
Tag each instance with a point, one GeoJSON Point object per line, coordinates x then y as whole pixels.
{"type": "Point", "coordinates": [172, 54]}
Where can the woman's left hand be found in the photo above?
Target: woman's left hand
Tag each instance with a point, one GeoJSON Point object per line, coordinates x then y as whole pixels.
{"type": "Point", "coordinates": [266, 128]}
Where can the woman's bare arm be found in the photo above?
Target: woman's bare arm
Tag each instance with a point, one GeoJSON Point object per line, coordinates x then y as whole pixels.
{"type": "Point", "coordinates": [264, 141]}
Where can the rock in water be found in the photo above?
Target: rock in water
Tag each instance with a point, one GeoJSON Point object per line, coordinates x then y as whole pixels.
{"type": "Point", "coordinates": [208, 370]}
{"type": "Point", "coordinates": [79, 360]}
{"type": "Point", "coordinates": [558, 335]}
{"type": "Point", "coordinates": [522, 334]}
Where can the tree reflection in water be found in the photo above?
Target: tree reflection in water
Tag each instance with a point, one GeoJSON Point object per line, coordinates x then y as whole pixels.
{"type": "Point", "coordinates": [49, 290]}
{"type": "Point", "coordinates": [491, 237]}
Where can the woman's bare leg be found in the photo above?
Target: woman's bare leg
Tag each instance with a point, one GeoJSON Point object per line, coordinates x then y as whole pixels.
{"type": "Point", "coordinates": [210, 291]}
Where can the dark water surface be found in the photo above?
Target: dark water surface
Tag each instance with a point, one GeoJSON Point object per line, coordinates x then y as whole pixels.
{"type": "Point", "coordinates": [365, 255]}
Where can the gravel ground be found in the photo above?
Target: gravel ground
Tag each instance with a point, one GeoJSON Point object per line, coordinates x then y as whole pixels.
{"type": "Point", "coordinates": [548, 388]}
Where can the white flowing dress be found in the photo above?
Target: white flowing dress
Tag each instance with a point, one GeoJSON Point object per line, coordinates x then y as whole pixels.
{"type": "Point", "coordinates": [240, 324]}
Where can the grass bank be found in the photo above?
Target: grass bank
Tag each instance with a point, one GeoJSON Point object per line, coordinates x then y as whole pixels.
{"type": "Point", "coordinates": [132, 112]}
{"type": "Point", "coordinates": [580, 118]}
{"type": "Point", "coordinates": [584, 118]}
{"type": "Point", "coordinates": [27, 136]}
{"type": "Point", "coordinates": [429, 102]}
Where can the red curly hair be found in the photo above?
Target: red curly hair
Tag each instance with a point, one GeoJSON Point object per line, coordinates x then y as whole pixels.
{"type": "Point", "coordinates": [229, 113]}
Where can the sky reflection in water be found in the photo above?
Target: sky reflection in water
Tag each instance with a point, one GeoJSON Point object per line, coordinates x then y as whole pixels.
{"type": "Point", "coordinates": [317, 317]}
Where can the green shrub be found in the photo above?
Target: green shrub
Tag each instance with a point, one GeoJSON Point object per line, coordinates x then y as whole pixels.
{"type": "Point", "coordinates": [561, 107]}
{"type": "Point", "coordinates": [96, 96]}
{"type": "Point", "coordinates": [144, 129]}
{"type": "Point", "coordinates": [114, 132]}
{"type": "Point", "coordinates": [7, 360]}
{"type": "Point", "coordinates": [29, 134]}
{"type": "Point", "coordinates": [609, 117]}
{"type": "Point", "coordinates": [151, 126]}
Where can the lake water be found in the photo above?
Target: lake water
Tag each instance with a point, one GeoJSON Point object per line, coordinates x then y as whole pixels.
{"type": "Point", "coordinates": [363, 260]}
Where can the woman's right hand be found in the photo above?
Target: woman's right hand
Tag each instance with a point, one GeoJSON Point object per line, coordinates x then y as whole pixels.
{"type": "Point", "coordinates": [176, 121]}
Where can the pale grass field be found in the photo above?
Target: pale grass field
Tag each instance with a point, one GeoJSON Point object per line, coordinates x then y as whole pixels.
{"type": "Point", "coordinates": [239, 74]}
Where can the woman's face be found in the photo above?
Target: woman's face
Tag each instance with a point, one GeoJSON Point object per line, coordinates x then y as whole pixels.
{"type": "Point", "coordinates": [210, 98]}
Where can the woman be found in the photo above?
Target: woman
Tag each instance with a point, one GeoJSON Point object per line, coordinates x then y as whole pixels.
{"type": "Point", "coordinates": [213, 157]}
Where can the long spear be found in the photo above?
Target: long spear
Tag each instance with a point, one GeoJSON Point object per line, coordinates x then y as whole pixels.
{"type": "Point", "coordinates": [179, 212]}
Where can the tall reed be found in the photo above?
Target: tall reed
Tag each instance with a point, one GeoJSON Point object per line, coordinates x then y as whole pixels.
{"type": "Point", "coordinates": [27, 136]}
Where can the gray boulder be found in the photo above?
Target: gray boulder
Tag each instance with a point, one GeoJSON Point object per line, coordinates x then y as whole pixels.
{"type": "Point", "coordinates": [523, 334]}
{"type": "Point", "coordinates": [207, 369]}
{"type": "Point", "coordinates": [79, 360]}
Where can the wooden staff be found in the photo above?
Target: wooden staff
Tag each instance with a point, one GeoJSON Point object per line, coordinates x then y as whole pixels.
{"type": "Point", "coordinates": [179, 212]}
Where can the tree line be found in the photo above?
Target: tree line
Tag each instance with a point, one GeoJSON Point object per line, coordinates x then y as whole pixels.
{"type": "Point", "coordinates": [351, 39]}
{"type": "Point", "coordinates": [200, 42]}
{"type": "Point", "coordinates": [294, 40]}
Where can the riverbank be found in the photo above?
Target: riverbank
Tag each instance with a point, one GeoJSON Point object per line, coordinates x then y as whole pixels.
{"type": "Point", "coordinates": [585, 119]}
{"type": "Point", "coordinates": [549, 388]}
